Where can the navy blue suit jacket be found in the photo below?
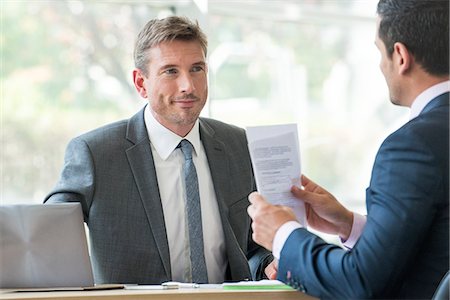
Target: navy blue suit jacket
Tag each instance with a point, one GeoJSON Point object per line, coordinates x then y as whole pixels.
{"type": "Point", "coordinates": [403, 251]}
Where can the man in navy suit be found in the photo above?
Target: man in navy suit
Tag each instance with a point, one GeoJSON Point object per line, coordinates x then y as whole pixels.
{"type": "Point", "coordinates": [401, 248]}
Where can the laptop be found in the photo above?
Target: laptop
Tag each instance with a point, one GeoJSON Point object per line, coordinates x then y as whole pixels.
{"type": "Point", "coordinates": [43, 246]}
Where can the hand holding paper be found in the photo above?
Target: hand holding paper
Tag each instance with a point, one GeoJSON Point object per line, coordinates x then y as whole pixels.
{"type": "Point", "coordinates": [267, 219]}
{"type": "Point", "coordinates": [275, 155]}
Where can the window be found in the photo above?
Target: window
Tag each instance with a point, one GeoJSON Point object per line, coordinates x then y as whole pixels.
{"type": "Point", "coordinates": [66, 69]}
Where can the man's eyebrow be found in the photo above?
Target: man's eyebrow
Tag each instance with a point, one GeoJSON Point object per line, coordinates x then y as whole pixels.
{"type": "Point", "coordinates": [168, 66]}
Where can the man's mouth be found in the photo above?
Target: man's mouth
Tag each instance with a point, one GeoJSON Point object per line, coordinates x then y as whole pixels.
{"type": "Point", "coordinates": [186, 101]}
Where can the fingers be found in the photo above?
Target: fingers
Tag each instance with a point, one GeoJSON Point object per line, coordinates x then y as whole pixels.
{"type": "Point", "coordinates": [256, 201]}
{"type": "Point", "coordinates": [302, 194]}
{"type": "Point", "coordinates": [271, 274]}
{"type": "Point", "coordinates": [271, 270]}
{"type": "Point", "coordinates": [304, 180]}
{"type": "Point", "coordinates": [310, 185]}
{"type": "Point", "coordinates": [310, 190]}
{"type": "Point", "coordinates": [256, 198]}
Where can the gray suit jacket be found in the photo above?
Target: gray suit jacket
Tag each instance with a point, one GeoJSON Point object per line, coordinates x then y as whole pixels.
{"type": "Point", "coordinates": [111, 172]}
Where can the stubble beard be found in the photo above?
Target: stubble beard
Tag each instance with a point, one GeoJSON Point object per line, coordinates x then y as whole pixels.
{"type": "Point", "coordinates": [172, 117]}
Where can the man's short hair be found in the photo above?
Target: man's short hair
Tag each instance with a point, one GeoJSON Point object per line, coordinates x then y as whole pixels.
{"type": "Point", "coordinates": [422, 26]}
{"type": "Point", "coordinates": [168, 29]}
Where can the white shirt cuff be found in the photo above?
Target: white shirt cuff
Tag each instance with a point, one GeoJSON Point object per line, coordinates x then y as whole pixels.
{"type": "Point", "coordinates": [359, 221]}
{"type": "Point", "coordinates": [282, 235]}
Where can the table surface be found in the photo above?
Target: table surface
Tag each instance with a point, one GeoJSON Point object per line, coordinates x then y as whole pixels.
{"type": "Point", "coordinates": [181, 294]}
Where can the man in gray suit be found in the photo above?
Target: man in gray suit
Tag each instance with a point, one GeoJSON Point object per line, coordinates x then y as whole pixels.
{"type": "Point", "coordinates": [128, 176]}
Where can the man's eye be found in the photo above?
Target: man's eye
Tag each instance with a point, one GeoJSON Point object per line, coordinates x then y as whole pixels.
{"type": "Point", "coordinates": [170, 71]}
{"type": "Point", "coordinates": [197, 69]}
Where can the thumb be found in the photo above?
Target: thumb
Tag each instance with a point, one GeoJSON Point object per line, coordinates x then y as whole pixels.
{"type": "Point", "coordinates": [256, 198]}
{"type": "Point", "coordinates": [304, 180]}
{"type": "Point", "coordinates": [301, 194]}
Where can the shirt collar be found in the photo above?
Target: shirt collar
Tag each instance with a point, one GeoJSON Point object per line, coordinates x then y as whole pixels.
{"type": "Point", "coordinates": [164, 140]}
{"type": "Point", "coordinates": [426, 96]}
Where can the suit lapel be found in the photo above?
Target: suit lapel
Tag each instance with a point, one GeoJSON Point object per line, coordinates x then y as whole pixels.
{"type": "Point", "coordinates": [220, 173]}
{"type": "Point", "coordinates": [216, 155]}
{"type": "Point", "coordinates": [142, 166]}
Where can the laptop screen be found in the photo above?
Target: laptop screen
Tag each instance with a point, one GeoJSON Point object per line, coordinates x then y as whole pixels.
{"type": "Point", "coordinates": [43, 246]}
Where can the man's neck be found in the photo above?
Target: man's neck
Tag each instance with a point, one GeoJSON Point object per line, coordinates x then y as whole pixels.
{"type": "Point", "coordinates": [418, 84]}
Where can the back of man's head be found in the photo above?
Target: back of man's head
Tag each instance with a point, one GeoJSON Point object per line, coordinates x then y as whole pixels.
{"type": "Point", "coordinates": [422, 26]}
{"type": "Point", "coordinates": [157, 31]}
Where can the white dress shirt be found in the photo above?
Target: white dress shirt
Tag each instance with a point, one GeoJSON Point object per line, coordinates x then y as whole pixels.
{"type": "Point", "coordinates": [426, 96]}
{"type": "Point", "coordinates": [359, 221]}
{"type": "Point", "coordinates": [169, 162]}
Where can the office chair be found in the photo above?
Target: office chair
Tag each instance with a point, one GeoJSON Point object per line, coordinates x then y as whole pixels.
{"type": "Point", "coordinates": [442, 291]}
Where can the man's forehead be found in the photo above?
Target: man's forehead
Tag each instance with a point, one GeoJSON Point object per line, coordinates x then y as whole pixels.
{"type": "Point", "coordinates": [176, 52]}
{"type": "Point", "coordinates": [190, 47]}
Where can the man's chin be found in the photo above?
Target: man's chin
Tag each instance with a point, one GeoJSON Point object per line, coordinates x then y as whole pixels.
{"type": "Point", "coordinates": [187, 118]}
{"type": "Point", "coordinates": [395, 101]}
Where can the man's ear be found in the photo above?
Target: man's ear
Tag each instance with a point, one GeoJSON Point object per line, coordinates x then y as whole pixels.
{"type": "Point", "coordinates": [402, 58]}
{"type": "Point", "coordinates": [138, 80]}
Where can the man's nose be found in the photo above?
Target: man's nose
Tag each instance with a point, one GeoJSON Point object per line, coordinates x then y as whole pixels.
{"type": "Point", "coordinates": [186, 83]}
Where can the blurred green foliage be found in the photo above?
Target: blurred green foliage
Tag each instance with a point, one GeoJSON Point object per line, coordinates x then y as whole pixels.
{"type": "Point", "coordinates": [66, 69]}
{"type": "Point", "coordinates": [48, 51]}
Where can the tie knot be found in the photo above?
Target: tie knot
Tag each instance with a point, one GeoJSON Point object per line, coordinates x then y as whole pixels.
{"type": "Point", "coordinates": [186, 148]}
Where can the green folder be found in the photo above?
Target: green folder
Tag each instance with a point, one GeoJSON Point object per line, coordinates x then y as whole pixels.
{"type": "Point", "coordinates": [256, 285]}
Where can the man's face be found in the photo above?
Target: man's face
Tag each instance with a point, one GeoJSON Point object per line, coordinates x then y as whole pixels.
{"type": "Point", "coordinates": [176, 85]}
{"type": "Point", "coordinates": [387, 68]}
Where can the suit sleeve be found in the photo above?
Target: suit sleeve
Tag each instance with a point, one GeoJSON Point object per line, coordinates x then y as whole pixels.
{"type": "Point", "coordinates": [405, 179]}
{"type": "Point", "coordinates": [76, 183]}
{"type": "Point", "coordinates": [258, 257]}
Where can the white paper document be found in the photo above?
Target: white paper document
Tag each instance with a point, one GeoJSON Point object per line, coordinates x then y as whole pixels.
{"type": "Point", "coordinates": [275, 155]}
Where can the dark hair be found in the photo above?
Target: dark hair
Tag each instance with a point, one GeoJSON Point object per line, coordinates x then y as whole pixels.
{"type": "Point", "coordinates": [164, 30]}
{"type": "Point", "coordinates": [422, 26]}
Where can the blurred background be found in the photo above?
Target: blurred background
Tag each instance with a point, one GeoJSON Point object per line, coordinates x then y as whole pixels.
{"type": "Point", "coordinates": [66, 69]}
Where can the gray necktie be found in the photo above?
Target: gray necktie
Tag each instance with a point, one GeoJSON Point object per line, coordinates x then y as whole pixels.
{"type": "Point", "coordinates": [194, 216]}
